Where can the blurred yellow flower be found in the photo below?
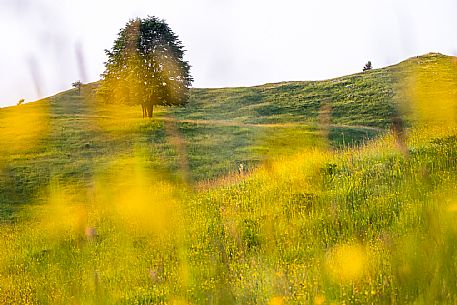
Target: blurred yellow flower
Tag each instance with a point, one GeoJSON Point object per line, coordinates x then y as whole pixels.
{"type": "Point", "coordinates": [452, 207]}
{"type": "Point", "coordinates": [346, 262]}
{"type": "Point", "coordinates": [319, 299]}
{"type": "Point", "coordinates": [276, 300]}
{"type": "Point", "coordinates": [431, 93]}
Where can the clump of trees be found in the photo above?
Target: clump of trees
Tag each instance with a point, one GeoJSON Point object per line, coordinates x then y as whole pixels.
{"type": "Point", "coordinates": [368, 66]}
{"type": "Point", "coordinates": [145, 66]}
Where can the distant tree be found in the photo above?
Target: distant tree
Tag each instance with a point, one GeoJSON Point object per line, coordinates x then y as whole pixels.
{"type": "Point", "coordinates": [146, 67]}
{"type": "Point", "coordinates": [20, 102]}
{"type": "Point", "coordinates": [367, 66]}
{"type": "Point", "coordinates": [78, 86]}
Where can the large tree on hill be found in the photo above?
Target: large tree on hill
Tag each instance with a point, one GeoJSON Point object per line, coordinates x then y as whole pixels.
{"type": "Point", "coordinates": [146, 67]}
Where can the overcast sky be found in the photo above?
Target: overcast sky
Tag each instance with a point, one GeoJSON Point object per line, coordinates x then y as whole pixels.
{"type": "Point", "coordinates": [48, 44]}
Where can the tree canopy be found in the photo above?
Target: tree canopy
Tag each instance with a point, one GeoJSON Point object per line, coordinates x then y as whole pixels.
{"type": "Point", "coordinates": [145, 66]}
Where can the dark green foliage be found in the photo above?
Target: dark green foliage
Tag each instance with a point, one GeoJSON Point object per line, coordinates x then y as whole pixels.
{"type": "Point", "coordinates": [146, 67]}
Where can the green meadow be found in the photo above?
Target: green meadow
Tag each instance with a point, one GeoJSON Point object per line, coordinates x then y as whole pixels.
{"type": "Point", "coordinates": [327, 192]}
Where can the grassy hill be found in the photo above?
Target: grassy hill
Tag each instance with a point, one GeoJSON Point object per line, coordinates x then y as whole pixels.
{"type": "Point", "coordinates": [68, 136]}
{"type": "Point", "coordinates": [100, 206]}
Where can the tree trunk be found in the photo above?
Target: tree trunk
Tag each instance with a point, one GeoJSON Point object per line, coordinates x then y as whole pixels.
{"type": "Point", "coordinates": [143, 108]}
{"type": "Point", "coordinates": [150, 110]}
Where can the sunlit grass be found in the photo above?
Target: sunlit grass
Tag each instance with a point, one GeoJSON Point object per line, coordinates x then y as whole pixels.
{"type": "Point", "coordinates": [430, 92]}
{"type": "Point", "coordinates": [24, 127]}
{"type": "Point", "coordinates": [114, 222]}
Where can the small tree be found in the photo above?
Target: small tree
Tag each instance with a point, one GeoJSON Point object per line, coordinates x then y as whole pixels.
{"type": "Point", "coordinates": [78, 86]}
{"type": "Point", "coordinates": [20, 102]}
{"type": "Point", "coordinates": [367, 66]}
{"type": "Point", "coordinates": [146, 67]}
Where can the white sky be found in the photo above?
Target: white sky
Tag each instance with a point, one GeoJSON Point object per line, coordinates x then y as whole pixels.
{"type": "Point", "coordinates": [229, 42]}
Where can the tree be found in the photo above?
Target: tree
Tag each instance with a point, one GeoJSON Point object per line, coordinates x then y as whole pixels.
{"type": "Point", "coordinates": [21, 101]}
{"type": "Point", "coordinates": [146, 67]}
{"type": "Point", "coordinates": [78, 86]}
{"type": "Point", "coordinates": [367, 66]}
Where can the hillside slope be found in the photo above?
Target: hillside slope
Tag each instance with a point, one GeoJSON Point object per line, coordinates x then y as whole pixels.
{"type": "Point", "coordinates": [98, 205]}
{"type": "Point", "coordinates": [70, 137]}
{"type": "Point", "coordinates": [366, 99]}
{"type": "Point", "coordinates": [361, 99]}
